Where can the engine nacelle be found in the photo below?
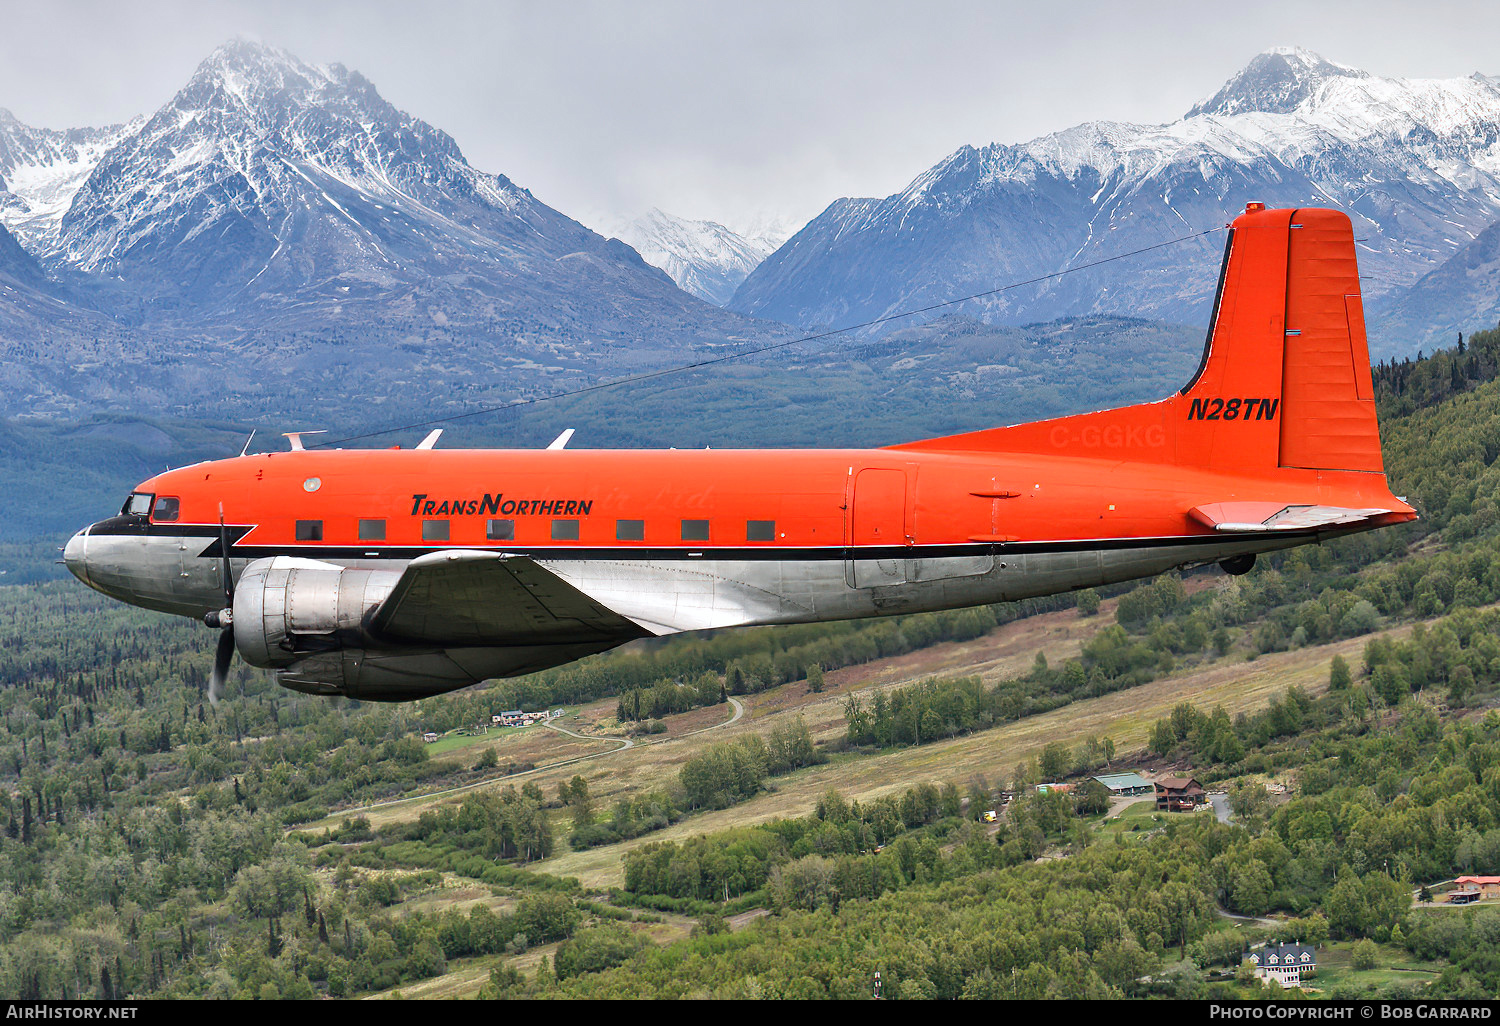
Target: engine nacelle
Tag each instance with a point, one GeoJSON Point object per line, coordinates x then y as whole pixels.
{"type": "Point", "coordinates": [310, 622]}
{"type": "Point", "coordinates": [286, 609]}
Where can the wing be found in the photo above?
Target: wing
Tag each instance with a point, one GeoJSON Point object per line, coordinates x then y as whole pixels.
{"type": "Point", "coordinates": [1250, 517]}
{"type": "Point", "coordinates": [466, 597]}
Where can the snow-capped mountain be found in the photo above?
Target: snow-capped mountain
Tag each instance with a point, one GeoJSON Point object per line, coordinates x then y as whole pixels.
{"type": "Point", "coordinates": [275, 222]}
{"type": "Point", "coordinates": [1275, 82]}
{"type": "Point", "coordinates": [702, 257]}
{"type": "Point", "coordinates": [42, 169]}
{"type": "Point", "coordinates": [1416, 163]}
{"type": "Point", "coordinates": [269, 180]}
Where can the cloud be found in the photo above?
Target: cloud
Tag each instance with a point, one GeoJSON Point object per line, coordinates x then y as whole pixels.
{"type": "Point", "coordinates": [720, 110]}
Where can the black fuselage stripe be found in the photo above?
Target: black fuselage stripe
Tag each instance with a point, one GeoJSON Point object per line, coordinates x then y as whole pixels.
{"type": "Point", "coordinates": [798, 553]}
{"type": "Point", "coordinates": [767, 554]}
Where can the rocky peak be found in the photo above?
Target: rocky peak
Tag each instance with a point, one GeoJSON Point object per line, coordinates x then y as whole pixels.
{"type": "Point", "coordinates": [1275, 82]}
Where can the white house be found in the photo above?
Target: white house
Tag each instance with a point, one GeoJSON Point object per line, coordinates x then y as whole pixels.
{"type": "Point", "coordinates": [1285, 963]}
{"type": "Point", "coordinates": [517, 718]}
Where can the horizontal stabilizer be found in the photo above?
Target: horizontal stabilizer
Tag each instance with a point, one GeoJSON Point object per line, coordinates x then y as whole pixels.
{"type": "Point", "coordinates": [1247, 517]}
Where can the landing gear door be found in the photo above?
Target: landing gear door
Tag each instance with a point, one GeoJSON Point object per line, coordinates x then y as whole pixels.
{"type": "Point", "coordinates": [878, 529]}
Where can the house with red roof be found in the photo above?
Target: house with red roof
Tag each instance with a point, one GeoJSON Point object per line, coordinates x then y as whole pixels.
{"type": "Point", "coordinates": [1486, 886]}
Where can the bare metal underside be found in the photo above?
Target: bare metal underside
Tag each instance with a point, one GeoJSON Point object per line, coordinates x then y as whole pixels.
{"type": "Point", "coordinates": [326, 627]}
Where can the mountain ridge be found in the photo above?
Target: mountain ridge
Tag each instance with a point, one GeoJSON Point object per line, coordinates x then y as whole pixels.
{"type": "Point", "coordinates": [275, 222]}
{"type": "Point", "coordinates": [277, 225]}
{"type": "Point", "coordinates": [41, 169]}
{"type": "Point", "coordinates": [1453, 299]}
{"type": "Point", "coordinates": [704, 258]}
{"type": "Point", "coordinates": [1416, 164]}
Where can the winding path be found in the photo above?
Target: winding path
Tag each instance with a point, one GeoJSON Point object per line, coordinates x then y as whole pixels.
{"type": "Point", "coordinates": [625, 743]}
{"type": "Point", "coordinates": [1224, 913]}
{"type": "Point", "coordinates": [1222, 812]}
{"type": "Point", "coordinates": [739, 710]}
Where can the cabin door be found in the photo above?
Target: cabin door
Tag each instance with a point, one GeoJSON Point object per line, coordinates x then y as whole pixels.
{"type": "Point", "coordinates": [878, 519]}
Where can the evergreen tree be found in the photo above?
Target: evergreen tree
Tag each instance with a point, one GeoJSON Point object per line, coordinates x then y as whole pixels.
{"type": "Point", "coordinates": [1338, 674]}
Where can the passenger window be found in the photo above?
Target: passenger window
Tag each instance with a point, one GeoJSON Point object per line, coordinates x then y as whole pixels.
{"type": "Point", "coordinates": [500, 530]}
{"type": "Point", "coordinates": [372, 530]}
{"type": "Point", "coordinates": [434, 530]}
{"type": "Point", "coordinates": [564, 530]}
{"type": "Point", "coordinates": [309, 530]}
{"type": "Point", "coordinates": [695, 530]}
{"type": "Point", "coordinates": [630, 530]}
{"type": "Point", "coordinates": [760, 530]}
{"type": "Point", "coordinates": [166, 509]}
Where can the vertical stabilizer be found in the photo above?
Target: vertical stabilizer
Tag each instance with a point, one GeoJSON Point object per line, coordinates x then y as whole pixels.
{"type": "Point", "coordinates": [1285, 379]}
{"type": "Point", "coordinates": [1285, 375]}
{"type": "Point", "coordinates": [1328, 399]}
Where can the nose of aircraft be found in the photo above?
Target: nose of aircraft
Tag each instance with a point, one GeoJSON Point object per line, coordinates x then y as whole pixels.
{"type": "Point", "coordinates": [75, 555]}
{"type": "Point", "coordinates": [121, 558]}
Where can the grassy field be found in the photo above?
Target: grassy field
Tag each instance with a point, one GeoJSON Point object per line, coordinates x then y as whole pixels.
{"type": "Point", "coordinates": [455, 742]}
{"type": "Point", "coordinates": [465, 976]}
{"type": "Point", "coordinates": [462, 980]}
{"type": "Point", "coordinates": [515, 744]}
{"type": "Point", "coordinates": [1392, 965]}
{"type": "Point", "coordinates": [1136, 821]}
{"type": "Point", "coordinates": [458, 892]}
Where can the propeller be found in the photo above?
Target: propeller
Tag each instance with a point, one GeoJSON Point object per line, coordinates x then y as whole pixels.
{"type": "Point", "coordinates": [223, 618]}
{"type": "Point", "coordinates": [222, 655]}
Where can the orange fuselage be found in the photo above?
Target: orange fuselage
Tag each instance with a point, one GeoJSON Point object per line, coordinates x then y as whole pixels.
{"type": "Point", "coordinates": [645, 502]}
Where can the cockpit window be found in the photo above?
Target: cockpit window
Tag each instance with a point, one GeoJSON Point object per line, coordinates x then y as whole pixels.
{"type": "Point", "coordinates": [166, 509]}
{"type": "Point", "coordinates": [137, 504]}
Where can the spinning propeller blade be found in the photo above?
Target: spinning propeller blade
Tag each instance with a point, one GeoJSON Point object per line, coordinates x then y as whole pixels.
{"type": "Point", "coordinates": [225, 651]}
{"type": "Point", "coordinates": [222, 655]}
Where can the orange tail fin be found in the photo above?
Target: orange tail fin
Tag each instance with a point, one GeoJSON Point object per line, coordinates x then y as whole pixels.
{"type": "Point", "coordinates": [1285, 376]}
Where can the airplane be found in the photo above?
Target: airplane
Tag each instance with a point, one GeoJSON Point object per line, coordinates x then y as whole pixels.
{"type": "Point", "coordinates": [395, 574]}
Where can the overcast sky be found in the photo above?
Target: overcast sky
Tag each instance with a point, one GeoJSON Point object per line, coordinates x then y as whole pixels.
{"type": "Point", "coordinates": [726, 111]}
